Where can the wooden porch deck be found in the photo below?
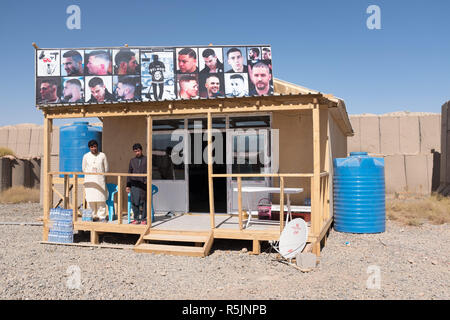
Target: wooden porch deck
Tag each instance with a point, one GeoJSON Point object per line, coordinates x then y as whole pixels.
{"type": "Point", "coordinates": [185, 227]}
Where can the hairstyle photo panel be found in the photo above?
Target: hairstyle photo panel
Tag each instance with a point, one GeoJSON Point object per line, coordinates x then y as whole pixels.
{"type": "Point", "coordinates": [211, 85]}
{"type": "Point", "coordinates": [187, 86]}
{"type": "Point", "coordinates": [98, 62]}
{"type": "Point", "coordinates": [127, 88]}
{"type": "Point", "coordinates": [48, 63]}
{"type": "Point", "coordinates": [187, 60]}
{"type": "Point", "coordinates": [266, 53]}
{"type": "Point", "coordinates": [235, 59]}
{"type": "Point", "coordinates": [157, 75]}
{"type": "Point", "coordinates": [126, 61]}
{"type": "Point", "coordinates": [236, 85]}
{"type": "Point", "coordinates": [253, 55]}
{"type": "Point", "coordinates": [210, 60]}
{"type": "Point", "coordinates": [158, 63]}
{"type": "Point", "coordinates": [99, 89]}
{"type": "Point", "coordinates": [48, 90]}
{"type": "Point", "coordinates": [72, 89]}
{"type": "Point", "coordinates": [72, 63]}
{"type": "Point", "coordinates": [261, 82]}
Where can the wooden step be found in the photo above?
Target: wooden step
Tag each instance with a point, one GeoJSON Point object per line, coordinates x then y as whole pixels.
{"type": "Point", "coordinates": [168, 249]}
{"type": "Point", "coordinates": [176, 237]}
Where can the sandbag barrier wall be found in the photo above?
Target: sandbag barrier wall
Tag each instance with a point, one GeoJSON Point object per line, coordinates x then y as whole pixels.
{"type": "Point", "coordinates": [15, 172]}
{"type": "Point", "coordinates": [410, 144]}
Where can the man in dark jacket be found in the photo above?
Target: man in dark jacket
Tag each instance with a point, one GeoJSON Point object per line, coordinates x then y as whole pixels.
{"type": "Point", "coordinates": [138, 185]}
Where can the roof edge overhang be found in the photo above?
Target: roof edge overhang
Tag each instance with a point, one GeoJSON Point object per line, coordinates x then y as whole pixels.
{"type": "Point", "coordinates": [277, 102]}
{"type": "Point", "coordinates": [337, 106]}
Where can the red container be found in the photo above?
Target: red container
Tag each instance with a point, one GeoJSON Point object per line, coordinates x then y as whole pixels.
{"type": "Point", "coordinates": [264, 209]}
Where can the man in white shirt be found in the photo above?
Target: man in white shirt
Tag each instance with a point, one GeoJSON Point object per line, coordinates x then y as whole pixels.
{"type": "Point", "coordinates": [94, 185]}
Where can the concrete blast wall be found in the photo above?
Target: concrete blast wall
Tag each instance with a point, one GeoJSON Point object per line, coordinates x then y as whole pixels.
{"type": "Point", "coordinates": [444, 186]}
{"type": "Point", "coordinates": [410, 144]}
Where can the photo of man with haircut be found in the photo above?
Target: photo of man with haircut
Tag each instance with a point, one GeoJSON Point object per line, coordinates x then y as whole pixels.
{"type": "Point", "coordinates": [187, 61]}
{"type": "Point", "coordinates": [261, 79]}
{"type": "Point", "coordinates": [236, 85]}
{"type": "Point", "coordinates": [188, 87]}
{"type": "Point", "coordinates": [127, 89]}
{"type": "Point", "coordinates": [48, 90]}
{"type": "Point", "coordinates": [126, 63]}
{"type": "Point", "coordinates": [72, 63]}
{"type": "Point", "coordinates": [212, 86]}
{"type": "Point", "coordinates": [253, 56]}
{"type": "Point", "coordinates": [236, 61]}
{"type": "Point", "coordinates": [212, 62]}
{"type": "Point", "coordinates": [98, 62]}
{"type": "Point", "coordinates": [157, 68]}
{"type": "Point", "coordinates": [72, 91]}
{"type": "Point", "coordinates": [99, 92]}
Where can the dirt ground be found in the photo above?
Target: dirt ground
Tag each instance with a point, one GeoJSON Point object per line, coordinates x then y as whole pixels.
{"type": "Point", "coordinates": [405, 262]}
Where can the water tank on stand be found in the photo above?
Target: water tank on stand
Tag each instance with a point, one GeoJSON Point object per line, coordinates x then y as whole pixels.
{"type": "Point", "coordinates": [73, 144]}
{"type": "Point", "coordinates": [359, 194]}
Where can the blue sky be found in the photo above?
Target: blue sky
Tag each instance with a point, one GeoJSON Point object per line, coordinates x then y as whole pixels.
{"type": "Point", "coordinates": [320, 44]}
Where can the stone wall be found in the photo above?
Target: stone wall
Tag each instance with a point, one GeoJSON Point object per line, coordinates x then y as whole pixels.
{"type": "Point", "coordinates": [410, 144]}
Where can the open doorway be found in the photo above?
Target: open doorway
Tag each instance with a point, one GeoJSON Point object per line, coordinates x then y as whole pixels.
{"type": "Point", "coordinates": [198, 174]}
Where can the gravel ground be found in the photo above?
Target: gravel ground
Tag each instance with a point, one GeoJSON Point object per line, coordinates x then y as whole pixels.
{"type": "Point", "coordinates": [413, 263]}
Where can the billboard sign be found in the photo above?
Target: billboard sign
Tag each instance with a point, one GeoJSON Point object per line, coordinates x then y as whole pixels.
{"type": "Point", "coordinates": [141, 74]}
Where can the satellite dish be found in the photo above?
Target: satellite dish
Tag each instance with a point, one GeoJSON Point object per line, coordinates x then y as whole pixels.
{"type": "Point", "coordinates": [293, 238]}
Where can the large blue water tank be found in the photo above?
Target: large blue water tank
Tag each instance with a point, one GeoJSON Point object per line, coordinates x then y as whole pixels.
{"type": "Point", "coordinates": [359, 194]}
{"type": "Point", "coordinates": [73, 144]}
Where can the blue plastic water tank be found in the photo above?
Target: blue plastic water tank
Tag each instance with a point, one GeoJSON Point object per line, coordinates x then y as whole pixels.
{"type": "Point", "coordinates": [359, 194]}
{"type": "Point", "coordinates": [73, 144]}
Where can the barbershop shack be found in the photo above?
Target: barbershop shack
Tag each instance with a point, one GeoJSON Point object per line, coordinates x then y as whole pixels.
{"type": "Point", "coordinates": [207, 155]}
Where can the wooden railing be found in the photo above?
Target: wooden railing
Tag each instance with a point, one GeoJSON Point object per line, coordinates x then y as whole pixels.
{"type": "Point", "coordinates": [74, 205]}
{"type": "Point", "coordinates": [319, 209]}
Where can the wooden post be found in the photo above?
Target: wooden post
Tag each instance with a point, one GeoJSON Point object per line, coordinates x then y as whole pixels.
{"type": "Point", "coordinates": [281, 204]}
{"type": "Point", "coordinates": [66, 191]}
{"type": "Point", "coordinates": [149, 169]}
{"type": "Point", "coordinates": [327, 164]}
{"type": "Point", "coordinates": [75, 197]}
{"type": "Point", "coordinates": [119, 200]}
{"type": "Point", "coordinates": [256, 247]}
{"type": "Point", "coordinates": [316, 218]}
{"type": "Point", "coordinates": [239, 183]}
{"type": "Point", "coordinates": [94, 237]}
{"type": "Point", "coordinates": [210, 173]}
{"type": "Point", "coordinates": [48, 196]}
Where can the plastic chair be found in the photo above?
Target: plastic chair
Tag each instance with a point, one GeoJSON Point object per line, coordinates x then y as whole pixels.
{"type": "Point", "coordinates": [129, 207]}
{"type": "Point", "coordinates": [154, 191]}
{"type": "Point", "coordinates": [112, 190]}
